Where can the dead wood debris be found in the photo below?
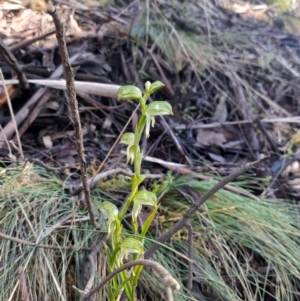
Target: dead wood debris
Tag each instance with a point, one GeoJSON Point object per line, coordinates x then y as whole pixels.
{"type": "Point", "coordinates": [222, 71]}
{"type": "Point", "coordinates": [222, 68]}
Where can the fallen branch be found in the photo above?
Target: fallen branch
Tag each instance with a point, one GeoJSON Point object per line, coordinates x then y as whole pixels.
{"type": "Point", "coordinates": [69, 73]}
{"type": "Point", "coordinates": [105, 90]}
{"type": "Point", "coordinates": [12, 62]}
{"type": "Point", "coordinates": [165, 276]}
{"type": "Point", "coordinates": [9, 129]}
{"type": "Point", "coordinates": [41, 246]}
{"type": "Point", "coordinates": [184, 221]}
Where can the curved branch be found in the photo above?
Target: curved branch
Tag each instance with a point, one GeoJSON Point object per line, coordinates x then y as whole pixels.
{"type": "Point", "coordinates": [165, 276]}
{"type": "Point", "coordinates": [195, 206]}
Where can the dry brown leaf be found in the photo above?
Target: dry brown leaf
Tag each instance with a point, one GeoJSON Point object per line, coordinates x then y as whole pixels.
{"type": "Point", "coordinates": [107, 123]}
{"type": "Point", "coordinates": [53, 105]}
{"type": "Point", "coordinates": [221, 113]}
{"type": "Point", "coordinates": [10, 90]}
{"type": "Point", "coordinates": [237, 144]}
{"type": "Point", "coordinates": [206, 137]}
{"type": "Point", "coordinates": [217, 158]}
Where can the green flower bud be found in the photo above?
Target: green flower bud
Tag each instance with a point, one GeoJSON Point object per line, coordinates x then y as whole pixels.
{"type": "Point", "coordinates": [129, 92]}
{"type": "Point", "coordinates": [127, 138]}
{"type": "Point", "coordinates": [156, 108]}
{"type": "Point", "coordinates": [130, 246]}
{"type": "Point", "coordinates": [159, 108]}
{"type": "Point", "coordinates": [112, 213]}
{"type": "Point", "coordinates": [155, 86]}
{"type": "Point", "coordinates": [145, 197]}
{"type": "Point", "coordinates": [142, 197]}
{"type": "Point", "coordinates": [147, 87]}
{"type": "Point", "coordinates": [109, 209]}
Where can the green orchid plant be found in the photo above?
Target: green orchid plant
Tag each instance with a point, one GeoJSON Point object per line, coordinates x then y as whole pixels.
{"type": "Point", "coordinates": [132, 248]}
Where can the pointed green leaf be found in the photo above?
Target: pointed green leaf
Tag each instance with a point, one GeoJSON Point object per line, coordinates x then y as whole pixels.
{"type": "Point", "coordinates": [158, 108]}
{"type": "Point", "coordinates": [129, 92]}
{"type": "Point", "coordinates": [127, 139]}
{"type": "Point", "coordinates": [148, 222]}
{"type": "Point", "coordinates": [125, 284]}
{"type": "Point", "coordinates": [155, 86]}
{"type": "Point", "coordinates": [144, 197]}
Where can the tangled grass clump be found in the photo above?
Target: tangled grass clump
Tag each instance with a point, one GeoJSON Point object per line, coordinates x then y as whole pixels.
{"type": "Point", "coordinates": [244, 249]}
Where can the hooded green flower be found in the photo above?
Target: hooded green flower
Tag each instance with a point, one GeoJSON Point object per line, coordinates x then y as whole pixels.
{"type": "Point", "coordinates": [156, 108]}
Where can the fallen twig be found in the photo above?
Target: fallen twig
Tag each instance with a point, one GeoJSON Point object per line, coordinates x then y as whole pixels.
{"type": "Point", "coordinates": [195, 206]}
{"type": "Point", "coordinates": [175, 140]}
{"type": "Point", "coordinates": [12, 62]}
{"type": "Point", "coordinates": [243, 106]}
{"type": "Point", "coordinates": [92, 268]}
{"type": "Point", "coordinates": [9, 129]}
{"type": "Point", "coordinates": [105, 90]}
{"type": "Point", "coordinates": [90, 282]}
{"type": "Point", "coordinates": [272, 144]}
{"type": "Point", "coordinates": [41, 246]}
{"type": "Point", "coordinates": [165, 276]}
{"type": "Point", "coordinates": [23, 284]}
{"type": "Point", "coordinates": [69, 73]}
{"type": "Point", "coordinates": [30, 41]}
{"type": "Point", "coordinates": [12, 116]}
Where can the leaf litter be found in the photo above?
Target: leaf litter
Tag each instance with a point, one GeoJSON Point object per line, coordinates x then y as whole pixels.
{"type": "Point", "coordinates": [223, 67]}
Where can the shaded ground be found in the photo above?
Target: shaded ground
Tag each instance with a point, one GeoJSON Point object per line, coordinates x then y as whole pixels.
{"type": "Point", "coordinates": [232, 79]}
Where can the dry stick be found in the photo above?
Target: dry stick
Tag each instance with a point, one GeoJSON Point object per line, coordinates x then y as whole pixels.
{"type": "Point", "coordinates": [34, 113]}
{"type": "Point", "coordinates": [190, 255]}
{"type": "Point", "coordinates": [23, 285]}
{"type": "Point", "coordinates": [242, 104]}
{"type": "Point", "coordinates": [117, 140]}
{"type": "Point", "coordinates": [12, 62]}
{"type": "Point", "coordinates": [100, 89]}
{"type": "Point", "coordinates": [194, 207]}
{"type": "Point", "coordinates": [7, 144]}
{"type": "Point", "coordinates": [175, 140]}
{"type": "Point", "coordinates": [30, 41]}
{"type": "Point", "coordinates": [69, 73]}
{"type": "Point", "coordinates": [41, 246]}
{"type": "Point", "coordinates": [12, 116]}
{"type": "Point", "coordinates": [266, 134]}
{"type": "Point", "coordinates": [199, 125]}
{"type": "Point", "coordinates": [94, 181]}
{"type": "Point", "coordinates": [92, 269]}
{"type": "Point", "coordinates": [165, 275]}
{"type": "Point", "coordinates": [9, 129]}
{"type": "Point", "coordinates": [182, 169]}
{"type": "Point", "coordinates": [90, 282]}
{"type": "Point", "coordinates": [169, 294]}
